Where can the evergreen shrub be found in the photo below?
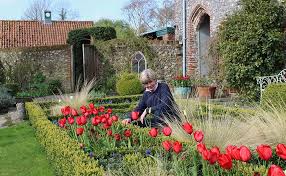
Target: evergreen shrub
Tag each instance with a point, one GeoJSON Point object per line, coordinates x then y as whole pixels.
{"type": "Point", "coordinates": [128, 84]}
{"type": "Point", "coordinates": [274, 95]}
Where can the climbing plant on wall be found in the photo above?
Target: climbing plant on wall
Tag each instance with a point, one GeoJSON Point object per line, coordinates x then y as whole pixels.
{"type": "Point", "coordinates": [251, 43]}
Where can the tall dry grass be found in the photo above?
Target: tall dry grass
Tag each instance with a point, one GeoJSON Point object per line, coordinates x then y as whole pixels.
{"type": "Point", "coordinates": [266, 126]}
{"type": "Point", "coordinates": [79, 98]}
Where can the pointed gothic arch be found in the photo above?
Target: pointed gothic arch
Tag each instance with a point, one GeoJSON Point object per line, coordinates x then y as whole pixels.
{"type": "Point", "coordinates": [200, 21]}
{"type": "Point", "coordinates": [138, 62]}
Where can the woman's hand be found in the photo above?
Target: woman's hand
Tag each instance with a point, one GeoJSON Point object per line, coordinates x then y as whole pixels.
{"type": "Point", "coordinates": [126, 121]}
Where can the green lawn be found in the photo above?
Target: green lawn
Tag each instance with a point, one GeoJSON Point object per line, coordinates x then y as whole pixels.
{"type": "Point", "coordinates": [20, 153]}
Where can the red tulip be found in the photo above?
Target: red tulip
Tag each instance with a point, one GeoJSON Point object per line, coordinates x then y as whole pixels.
{"type": "Point", "coordinates": [235, 153]}
{"type": "Point", "coordinates": [70, 120]}
{"type": "Point", "coordinates": [109, 121]}
{"type": "Point", "coordinates": [83, 109]}
{"type": "Point", "coordinates": [91, 106]}
{"type": "Point", "coordinates": [109, 110]}
{"type": "Point", "coordinates": [188, 127]}
{"type": "Point", "coordinates": [201, 147]}
{"type": "Point", "coordinates": [225, 161]}
{"type": "Point", "coordinates": [66, 110]}
{"type": "Point", "coordinates": [62, 122]}
{"type": "Point", "coordinates": [281, 151]}
{"type": "Point", "coordinates": [101, 109]}
{"type": "Point", "coordinates": [109, 132]}
{"type": "Point", "coordinates": [134, 115]}
{"type": "Point", "coordinates": [264, 152]}
{"type": "Point", "coordinates": [167, 131]}
{"type": "Point", "coordinates": [177, 147]}
{"type": "Point", "coordinates": [215, 150]}
{"type": "Point", "coordinates": [106, 126]}
{"type": "Point", "coordinates": [127, 133]}
{"type": "Point", "coordinates": [79, 131]}
{"type": "Point", "coordinates": [74, 112]}
{"type": "Point", "coordinates": [229, 149]}
{"type": "Point", "coordinates": [153, 132]}
{"type": "Point", "coordinates": [94, 111]}
{"type": "Point", "coordinates": [245, 154]}
{"type": "Point", "coordinates": [82, 120]}
{"type": "Point", "coordinates": [117, 137]}
{"type": "Point", "coordinates": [94, 121]}
{"type": "Point", "coordinates": [114, 118]}
{"type": "Point", "coordinates": [103, 120]}
{"type": "Point", "coordinates": [206, 154]}
{"type": "Point", "coordinates": [213, 156]}
{"type": "Point", "coordinates": [275, 171]}
{"type": "Point", "coordinates": [199, 136]}
{"type": "Point", "coordinates": [167, 145]}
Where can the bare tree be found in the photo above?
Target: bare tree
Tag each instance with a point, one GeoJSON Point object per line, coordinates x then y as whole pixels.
{"type": "Point", "coordinates": [147, 14]}
{"type": "Point", "coordinates": [36, 10]}
{"type": "Point", "coordinates": [165, 15]}
{"type": "Point", "coordinates": [64, 11]}
{"type": "Point", "coordinates": [140, 14]}
{"type": "Point", "coordinates": [61, 8]}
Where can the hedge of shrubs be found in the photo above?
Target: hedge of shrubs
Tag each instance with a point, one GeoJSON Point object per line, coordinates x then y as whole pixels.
{"type": "Point", "coordinates": [274, 95]}
{"type": "Point", "coordinates": [63, 152]}
{"type": "Point", "coordinates": [117, 99]}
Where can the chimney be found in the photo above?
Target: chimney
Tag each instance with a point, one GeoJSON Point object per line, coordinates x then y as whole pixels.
{"type": "Point", "coordinates": [48, 17]}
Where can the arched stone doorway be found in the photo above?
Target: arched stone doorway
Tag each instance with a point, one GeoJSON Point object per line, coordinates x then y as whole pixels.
{"type": "Point", "coordinates": [203, 38]}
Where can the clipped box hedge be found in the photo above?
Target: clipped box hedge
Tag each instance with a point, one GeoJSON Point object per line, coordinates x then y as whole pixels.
{"type": "Point", "coordinates": [63, 152]}
{"type": "Point", "coordinates": [117, 99]}
{"type": "Point", "coordinates": [274, 95]}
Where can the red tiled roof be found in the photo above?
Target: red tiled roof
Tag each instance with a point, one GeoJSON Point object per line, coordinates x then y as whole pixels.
{"type": "Point", "coordinates": [14, 34]}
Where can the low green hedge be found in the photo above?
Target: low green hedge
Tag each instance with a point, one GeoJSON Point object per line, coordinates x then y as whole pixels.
{"type": "Point", "coordinates": [63, 152]}
{"type": "Point", "coordinates": [274, 95]}
{"type": "Point", "coordinates": [117, 99]}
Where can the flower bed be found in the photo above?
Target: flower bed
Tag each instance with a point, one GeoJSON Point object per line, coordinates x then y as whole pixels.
{"type": "Point", "coordinates": [124, 149]}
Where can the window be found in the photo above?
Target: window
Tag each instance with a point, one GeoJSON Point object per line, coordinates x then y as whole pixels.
{"type": "Point", "coordinates": [138, 63]}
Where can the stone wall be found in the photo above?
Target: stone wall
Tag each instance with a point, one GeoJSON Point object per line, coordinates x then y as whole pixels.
{"type": "Point", "coordinates": [217, 10]}
{"type": "Point", "coordinates": [54, 62]}
{"type": "Point", "coordinates": [165, 60]}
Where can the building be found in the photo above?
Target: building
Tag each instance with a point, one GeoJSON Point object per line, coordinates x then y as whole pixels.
{"type": "Point", "coordinates": [202, 20]}
{"type": "Point", "coordinates": [42, 43]}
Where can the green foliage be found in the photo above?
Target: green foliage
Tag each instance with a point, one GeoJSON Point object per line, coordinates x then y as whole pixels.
{"type": "Point", "coordinates": [128, 84]}
{"type": "Point", "coordinates": [79, 36]}
{"type": "Point", "coordinates": [13, 88]}
{"type": "Point", "coordinates": [39, 86]}
{"type": "Point", "coordinates": [251, 43]}
{"type": "Point", "coordinates": [63, 152]}
{"type": "Point", "coordinates": [123, 29]}
{"type": "Point", "coordinates": [6, 100]}
{"type": "Point", "coordinates": [274, 95]}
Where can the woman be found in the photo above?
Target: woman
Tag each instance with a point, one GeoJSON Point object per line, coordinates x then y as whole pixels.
{"type": "Point", "coordinates": [157, 100]}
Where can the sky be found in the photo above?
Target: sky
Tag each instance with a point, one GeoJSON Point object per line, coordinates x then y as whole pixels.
{"type": "Point", "coordinates": [89, 10]}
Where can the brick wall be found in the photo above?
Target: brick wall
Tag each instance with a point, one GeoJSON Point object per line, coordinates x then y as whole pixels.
{"type": "Point", "coordinates": [217, 10]}
{"type": "Point", "coordinates": [54, 62]}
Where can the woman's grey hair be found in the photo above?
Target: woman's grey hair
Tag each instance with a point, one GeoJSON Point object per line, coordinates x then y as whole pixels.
{"type": "Point", "coordinates": [147, 76]}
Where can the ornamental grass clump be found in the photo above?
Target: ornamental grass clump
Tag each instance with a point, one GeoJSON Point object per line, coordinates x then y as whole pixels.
{"type": "Point", "coordinates": [79, 98]}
